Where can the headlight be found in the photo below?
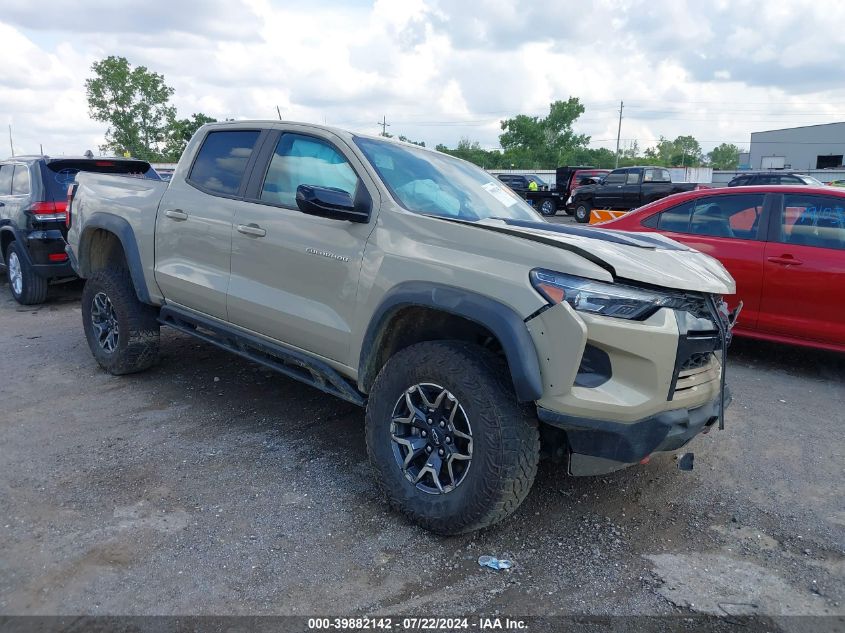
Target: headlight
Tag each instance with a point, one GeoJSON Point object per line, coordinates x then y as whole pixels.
{"type": "Point", "coordinates": [595, 297]}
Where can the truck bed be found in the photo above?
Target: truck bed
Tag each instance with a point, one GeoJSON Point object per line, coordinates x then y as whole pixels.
{"type": "Point", "coordinates": [134, 200]}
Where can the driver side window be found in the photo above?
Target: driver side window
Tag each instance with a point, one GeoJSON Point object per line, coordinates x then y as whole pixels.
{"type": "Point", "coordinates": [305, 160]}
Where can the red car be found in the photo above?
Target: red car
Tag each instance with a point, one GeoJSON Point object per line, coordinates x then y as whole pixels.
{"type": "Point", "coordinates": [784, 246]}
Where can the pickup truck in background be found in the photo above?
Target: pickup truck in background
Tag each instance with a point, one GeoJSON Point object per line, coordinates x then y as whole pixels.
{"type": "Point", "coordinates": [549, 200]}
{"type": "Point", "coordinates": [546, 201]}
{"type": "Point", "coordinates": [569, 178]}
{"type": "Point", "coordinates": [413, 284]}
{"type": "Point", "coordinates": [626, 188]}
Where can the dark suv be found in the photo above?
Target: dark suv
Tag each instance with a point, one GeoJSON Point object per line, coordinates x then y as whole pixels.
{"type": "Point", "coordinates": [773, 178]}
{"type": "Point", "coordinates": [33, 196]}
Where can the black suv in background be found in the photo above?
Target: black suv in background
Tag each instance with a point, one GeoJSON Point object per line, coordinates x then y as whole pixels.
{"type": "Point", "coordinates": [33, 199]}
{"type": "Point", "coordinates": [773, 178]}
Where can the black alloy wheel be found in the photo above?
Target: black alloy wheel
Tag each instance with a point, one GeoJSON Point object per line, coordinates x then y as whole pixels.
{"type": "Point", "coordinates": [432, 438]}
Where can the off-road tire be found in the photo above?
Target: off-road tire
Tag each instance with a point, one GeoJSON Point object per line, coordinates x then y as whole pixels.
{"type": "Point", "coordinates": [547, 207]}
{"type": "Point", "coordinates": [582, 213]}
{"type": "Point", "coordinates": [505, 436]}
{"type": "Point", "coordinates": [138, 339]}
{"type": "Point", "coordinates": [33, 289]}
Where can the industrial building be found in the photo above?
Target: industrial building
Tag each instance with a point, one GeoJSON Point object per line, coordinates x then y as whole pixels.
{"type": "Point", "coordinates": [798, 148]}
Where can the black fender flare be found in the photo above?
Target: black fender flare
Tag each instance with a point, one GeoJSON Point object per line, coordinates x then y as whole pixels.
{"type": "Point", "coordinates": [17, 236]}
{"type": "Point", "coordinates": [122, 230]}
{"type": "Point", "coordinates": [584, 196]}
{"type": "Point", "coordinates": [505, 324]}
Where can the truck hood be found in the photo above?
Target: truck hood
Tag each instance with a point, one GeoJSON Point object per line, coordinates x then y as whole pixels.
{"type": "Point", "coordinates": [648, 258]}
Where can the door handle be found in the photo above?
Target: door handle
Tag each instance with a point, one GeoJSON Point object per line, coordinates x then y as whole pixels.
{"type": "Point", "coordinates": [176, 214]}
{"type": "Point", "coordinates": [251, 229]}
{"type": "Point", "coordinates": [785, 260]}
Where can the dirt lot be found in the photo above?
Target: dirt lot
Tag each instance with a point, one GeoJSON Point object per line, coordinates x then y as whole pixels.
{"type": "Point", "coordinates": [210, 485]}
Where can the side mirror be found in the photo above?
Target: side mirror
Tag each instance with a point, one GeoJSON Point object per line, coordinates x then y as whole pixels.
{"type": "Point", "coordinates": [331, 203]}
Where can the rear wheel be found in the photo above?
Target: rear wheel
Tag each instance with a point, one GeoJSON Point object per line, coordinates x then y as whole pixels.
{"type": "Point", "coordinates": [582, 213]}
{"type": "Point", "coordinates": [122, 332]}
{"type": "Point", "coordinates": [452, 448]}
{"type": "Point", "coordinates": [28, 287]}
{"type": "Point", "coordinates": [548, 207]}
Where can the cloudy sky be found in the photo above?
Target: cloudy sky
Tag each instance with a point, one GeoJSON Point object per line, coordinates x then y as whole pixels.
{"type": "Point", "coordinates": [439, 70]}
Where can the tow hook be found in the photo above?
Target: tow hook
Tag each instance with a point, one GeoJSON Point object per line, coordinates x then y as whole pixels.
{"type": "Point", "coordinates": [685, 461]}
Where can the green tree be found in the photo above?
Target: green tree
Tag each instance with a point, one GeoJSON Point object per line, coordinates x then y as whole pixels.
{"type": "Point", "coordinates": [725, 156]}
{"type": "Point", "coordinates": [687, 152]}
{"type": "Point", "coordinates": [180, 131]}
{"type": "Point", "coordinates": [135, 103]}
{"type": "Point", "coordinates": [684, 151]}
{"type": "Point", "coordinates": [473, 152]}
{"type": "Point", "coordinates": [405, 139]}
{"type": "Point", "coordinates": [543, 142]}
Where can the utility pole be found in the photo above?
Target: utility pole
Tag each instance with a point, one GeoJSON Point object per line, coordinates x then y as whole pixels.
{"type": "Point", "coordinates": [618, 133]}
{"type": "Point", "coordinates": [12, 145]}
{"type": "Point", "coordinates": [384, 125]}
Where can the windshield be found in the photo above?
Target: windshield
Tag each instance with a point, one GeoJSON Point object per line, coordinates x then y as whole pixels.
{"type": "Point", "coordinates": [432, 183]}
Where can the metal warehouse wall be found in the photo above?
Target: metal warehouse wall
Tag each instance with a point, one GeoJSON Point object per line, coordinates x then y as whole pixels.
{"type": "Point", "coordinates": [799, 146]}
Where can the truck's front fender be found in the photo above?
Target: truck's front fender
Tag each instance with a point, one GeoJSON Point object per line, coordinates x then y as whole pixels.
{"type": "Point", "coordinates": [505, 324]}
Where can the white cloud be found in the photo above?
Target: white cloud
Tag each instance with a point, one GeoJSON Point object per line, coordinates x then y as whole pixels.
{"type": "Point", "coordinates": [439, 70]}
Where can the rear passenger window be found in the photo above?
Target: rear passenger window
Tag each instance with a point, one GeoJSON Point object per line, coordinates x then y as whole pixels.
{"type": "Point", "coordinates": [633, 178]}
{"type": "Point", "coordinates": [20, 181]}
{"type": "Point", "coordinates": [305, 160]}
{"type": "Point", "coordinates": [727, 216]}
{"type": "Point", "coordinates": [6, 179]}
{"type": "Point", "coordinates": [716, 216]}
{"type": "Point", "coordinates": [676, 219]}
{"type": "Point", "coordinates": [813, 221]}
{"type": "Point", "coordinates": [221, 161]}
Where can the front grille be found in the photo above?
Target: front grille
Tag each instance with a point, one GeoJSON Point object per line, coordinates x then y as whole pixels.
{"type": "Point", "coordinates": [698, 339]}
{"type": "Point", "coordinates": [696, 360]}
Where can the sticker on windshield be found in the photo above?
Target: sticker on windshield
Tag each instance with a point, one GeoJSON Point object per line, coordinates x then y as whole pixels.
{"type": "Point", "coordinates": [500, 194]}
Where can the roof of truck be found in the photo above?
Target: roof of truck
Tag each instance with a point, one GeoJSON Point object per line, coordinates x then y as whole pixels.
{"type": "Point", "coordinates": [337, 130]}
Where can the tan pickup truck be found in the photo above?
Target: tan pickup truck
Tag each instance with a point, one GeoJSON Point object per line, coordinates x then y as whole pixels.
{"type": "Point", "coordinates": [415, 285]}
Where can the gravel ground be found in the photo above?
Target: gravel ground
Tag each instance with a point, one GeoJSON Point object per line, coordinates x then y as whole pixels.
{"type": "Point", "coordinates": [209, 485]}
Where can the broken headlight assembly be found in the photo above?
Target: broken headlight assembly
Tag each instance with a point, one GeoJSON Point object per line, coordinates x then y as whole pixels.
{"type": "Point", "coordinates": [596, 297]}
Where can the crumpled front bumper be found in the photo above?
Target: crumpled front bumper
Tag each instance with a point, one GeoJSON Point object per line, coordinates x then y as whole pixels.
{"type": "Point", "coordinates": [601, 446]}
{"type": "Point", "coordinates": [622, 390]}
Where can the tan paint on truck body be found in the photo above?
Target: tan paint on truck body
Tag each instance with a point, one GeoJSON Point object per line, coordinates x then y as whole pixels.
{"type": "Point", "coordinates": [313, 284]}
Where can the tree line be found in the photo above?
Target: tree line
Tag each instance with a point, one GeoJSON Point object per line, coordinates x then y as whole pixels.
{"type": "Point", "coordinates": [135, 103]}
{"type": "Point", "coordinates": [531, 142]}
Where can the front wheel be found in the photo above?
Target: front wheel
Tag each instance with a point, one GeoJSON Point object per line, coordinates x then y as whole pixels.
{"type": "Point", "coordinates": [452, 448]}
{"type": "Point", "coordinates": [582, 213]}
{"type": "Point", "coordinates": [548, 207]}
{"type": "Point", "coordinates": [122, 332]}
